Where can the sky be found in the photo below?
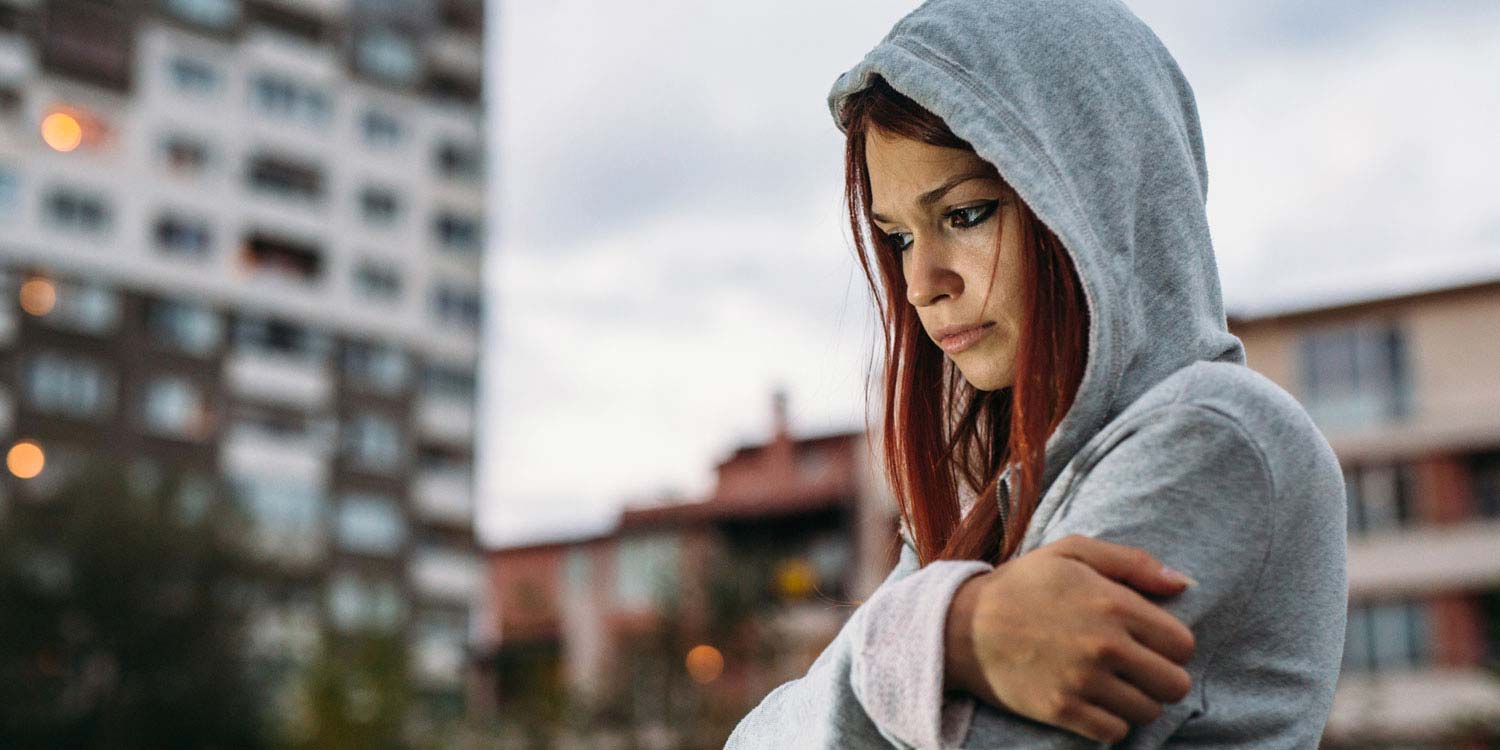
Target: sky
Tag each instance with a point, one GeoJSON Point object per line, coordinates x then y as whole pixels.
{"type": "Point", "coordinates": [667, 246]}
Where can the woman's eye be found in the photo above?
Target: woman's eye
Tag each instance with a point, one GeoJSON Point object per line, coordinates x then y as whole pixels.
{"type": "Point", "coordinates": [898, 241]}
{"type": "Point", "coordinates": [972, 215]}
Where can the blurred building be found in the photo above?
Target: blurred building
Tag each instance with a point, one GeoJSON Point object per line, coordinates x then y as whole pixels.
{"type": "Point", "coordinates": [242, 242]}
{"type": "Point", "coordinates": [796, 531]}
{"type": "Point", "coordinates": [1407, 389]}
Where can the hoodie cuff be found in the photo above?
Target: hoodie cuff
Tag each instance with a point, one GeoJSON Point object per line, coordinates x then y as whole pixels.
{"type": "Point", "coordinates": [897, 670]}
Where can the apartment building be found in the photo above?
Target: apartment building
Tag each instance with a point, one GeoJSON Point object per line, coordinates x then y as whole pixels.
{"type": "Point", "coordinates": [752, 582]}
{"type": "Point", "coordinates": [1407, 389]}
{"type": "Point", "coordinates": [242, 243]}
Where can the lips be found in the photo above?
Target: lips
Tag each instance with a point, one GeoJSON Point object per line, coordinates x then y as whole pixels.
{"type": "Point", "coordinates": [954, 339]}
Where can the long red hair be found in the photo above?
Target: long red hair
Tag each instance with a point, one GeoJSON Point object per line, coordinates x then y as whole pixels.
{"type": "Point", "coordinates": [938, 430]}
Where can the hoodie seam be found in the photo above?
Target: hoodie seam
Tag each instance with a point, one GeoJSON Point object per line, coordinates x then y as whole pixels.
{"type": "Point", "coordinates": [1269, 478]}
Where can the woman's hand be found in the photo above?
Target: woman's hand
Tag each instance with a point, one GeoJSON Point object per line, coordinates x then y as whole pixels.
{"type": "Point", "coordinates": [1060, 635]}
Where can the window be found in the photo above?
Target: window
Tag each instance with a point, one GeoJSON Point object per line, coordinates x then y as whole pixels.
{"type": "Point", "coordinates": [457, 161]}
{"type": "Point", "coordinates": [84, 307]}
{"type": "Point", "coordinates": [285, 515]}
{"type": "Point", "coordinates": [77, 211]}
{"type": "Point", "coordinates": [1379, 498]}
{"type": "Point", "coordinates": [184, 154]}
{"type": "Point", "coordinates": [10, 190]}
{"type": "Point", "coordinates": [183, 237]}
{"type": "Point", "coordinates": [438, 648]}
{"type": "Point", "coordinates": [386, 55]}
{"type": "Point", "coordinates": [213, 14]}
{"type": "Point", "coordinates": [359, 601]}
{"type": "Point", "coordinates": [457, 306]}
{"type": "Point", "coordinates": [173, 406]}
{"type": "Point", "coordinates": [373, 442]}
{"type": "Point", "coordinates": [188, 328]}
{"type": "Point", "coordinates": [372, 524]}
{"type": "Point", "coordinates": [377, 281]}
{"type": "Point", "coordinates": [69, 386]}
{"type": "Point", "coordinates": [285, 178]}
{"type": "Point", "coordinates": [379, 205]}
{"type": "Point", "coordinates": [194, 77]}
{"type": "Point", "coordinates": [1387, 636]}
{"type": "Point", "coordinates": [381, 130]}
{"type": "Point", "coordinates": [1485, 469]}
{"type": "Point", "coordinates": [645, 569]}
{"type": "Point", "coordinates": [452, 382]}
{"type": "Point", "coordinates": [279, 337]}
{"type": "Point", "coordinates": [285, 97]}
{"type": "Point", "coordinates": [458, 233]}
{"type": "Point", "coordinates": [1355, 375]}
{"type": "Point", "coordinates": [280, 257]}
{"type": "Point", "coordinates": [380, 368]}
{"type": "Point", "coordinates": [11, 100]}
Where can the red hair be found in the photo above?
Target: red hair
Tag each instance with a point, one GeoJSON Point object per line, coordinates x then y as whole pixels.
{"type": "Point", "coordinates": [937, 428]}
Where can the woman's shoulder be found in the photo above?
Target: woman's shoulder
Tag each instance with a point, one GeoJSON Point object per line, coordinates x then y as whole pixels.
{"type": "Point", "coordinates": [1293, 448]}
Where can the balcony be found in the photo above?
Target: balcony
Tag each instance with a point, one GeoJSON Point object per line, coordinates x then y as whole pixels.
{"type": "Point", "coordinates": [443, 496]}
{"type": "Point", "coordinates": [294, 381]}
{"type": "Point", "coordinates": [445, 419]}
{"type": "Point", "coordinates": [450, 575]}
{"type": "Point", "coordinates": [253, 450]}
{"type": "Point", "coordinates": [1418, 560]}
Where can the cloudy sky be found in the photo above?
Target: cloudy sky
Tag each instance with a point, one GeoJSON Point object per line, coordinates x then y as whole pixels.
{"type": "Point", "coordinates": [667, 243]}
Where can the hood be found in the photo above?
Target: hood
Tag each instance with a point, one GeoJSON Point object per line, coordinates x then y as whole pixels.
{"type": "Point", "coordinates": [1085, 113]}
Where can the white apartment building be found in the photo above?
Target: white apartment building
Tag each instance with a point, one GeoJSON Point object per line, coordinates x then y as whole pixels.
{"type": "Point", "coordinates": [242, 242]}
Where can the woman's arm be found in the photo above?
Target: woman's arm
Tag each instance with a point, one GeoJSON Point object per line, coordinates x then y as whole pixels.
{"type": "Point", "coordinates": [888, 678]}
{"type": "Point", "coordinates": [1188, 484]}
{"type": "Point", "coordinates": [821, 709]}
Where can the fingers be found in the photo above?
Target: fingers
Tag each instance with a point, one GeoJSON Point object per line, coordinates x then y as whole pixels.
{"type": "Point", "coordinates": [1131, 566]}
{"type": "Point", "coordinates": [1157, 679]}
{"type": "Point", "coordinates": [1156, 628]}
{"type": "Point", "coordinates": [1122, 699]}
{"type": "Point", "coordinates": [1093, 722]}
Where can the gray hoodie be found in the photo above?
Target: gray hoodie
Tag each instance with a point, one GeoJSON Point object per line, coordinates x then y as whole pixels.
{"type": "Point", "coordinates": [1172, 444]}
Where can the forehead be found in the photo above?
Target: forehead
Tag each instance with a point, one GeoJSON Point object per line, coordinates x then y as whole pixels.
{"type": "Point", "coordinates": [899, 166]}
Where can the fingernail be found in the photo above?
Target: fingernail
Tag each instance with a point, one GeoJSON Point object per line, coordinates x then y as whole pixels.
{"type": "Point", "coordinates": [1178, 576]}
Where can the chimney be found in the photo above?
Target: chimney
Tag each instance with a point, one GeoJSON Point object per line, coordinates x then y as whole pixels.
{"type": "Point", "coordinates": [780, 426]}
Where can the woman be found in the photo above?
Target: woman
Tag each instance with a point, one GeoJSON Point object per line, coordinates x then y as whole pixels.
{"type": "Point", "coordinates": [1026, 185]}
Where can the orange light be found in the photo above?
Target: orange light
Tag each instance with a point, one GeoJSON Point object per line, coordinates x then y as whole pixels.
{"type": "Point", "coordinates": [38, 296]}
{"type": "Point", "coordinates": [62, 131]}
{"type": "Point", "coordinates": [704, 664]}
{"type": "Point", "coordinates": [25, 459]}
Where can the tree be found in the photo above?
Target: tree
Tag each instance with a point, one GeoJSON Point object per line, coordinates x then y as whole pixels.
{"type": "Point", "coordinates": [116, 627]}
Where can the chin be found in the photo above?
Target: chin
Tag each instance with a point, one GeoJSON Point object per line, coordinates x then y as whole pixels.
{"type": "Point", "coordinates": [985, 379]}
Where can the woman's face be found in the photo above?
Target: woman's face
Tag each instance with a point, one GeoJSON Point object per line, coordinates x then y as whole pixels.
{"type": "Point", "coordinates": [939, 209]}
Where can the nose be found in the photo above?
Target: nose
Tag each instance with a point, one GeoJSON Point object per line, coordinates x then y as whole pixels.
{"type": "Point", "coordinates": [929, 275]}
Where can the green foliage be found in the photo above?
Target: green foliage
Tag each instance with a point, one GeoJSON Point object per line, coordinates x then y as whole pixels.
{"type": "Point", "coordinates": [356, 697]}
{"type": "Point", "coordinates": [114, 630]}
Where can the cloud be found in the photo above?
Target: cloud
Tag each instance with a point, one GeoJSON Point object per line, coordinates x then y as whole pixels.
{"type": "Point", "coordinates": [669, 245]}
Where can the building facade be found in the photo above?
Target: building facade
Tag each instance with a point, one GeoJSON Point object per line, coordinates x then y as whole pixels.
{"type": "Point", "coordinates": [1407, 390]}
{"type": "Point", "coordinates": [242, 244]}
{"type": "Point", "coordinates": [738, 591]}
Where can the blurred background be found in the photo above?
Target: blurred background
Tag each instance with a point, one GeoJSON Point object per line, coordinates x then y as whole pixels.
{"type": "Point", "coordinates": [451, 373]}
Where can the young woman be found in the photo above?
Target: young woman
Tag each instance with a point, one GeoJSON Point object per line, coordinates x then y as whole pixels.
{"type": "Point", "coordinates": [1065, 410]}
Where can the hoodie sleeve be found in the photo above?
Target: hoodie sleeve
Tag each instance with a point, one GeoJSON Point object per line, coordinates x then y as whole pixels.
{"type": "Point", "coordinates": [875, 685]}
{"type": "Point", "coordinates": [1188, 484]}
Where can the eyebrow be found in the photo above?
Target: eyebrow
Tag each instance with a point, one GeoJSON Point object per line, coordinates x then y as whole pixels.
{"type": "Point", "coordinates": [934, 195]}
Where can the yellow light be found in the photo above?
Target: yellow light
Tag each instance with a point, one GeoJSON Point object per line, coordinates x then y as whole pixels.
{"type": "Point", "coordinates": [38, 296]}
{"type": "Point", "coordinates": [704, 664]}
{"type": "Point", "coordinates": [25, 459]}
{"type": "Point", "coordinates": [62, 131]}
{"type": "Point", "coordinates": [796, 578]}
